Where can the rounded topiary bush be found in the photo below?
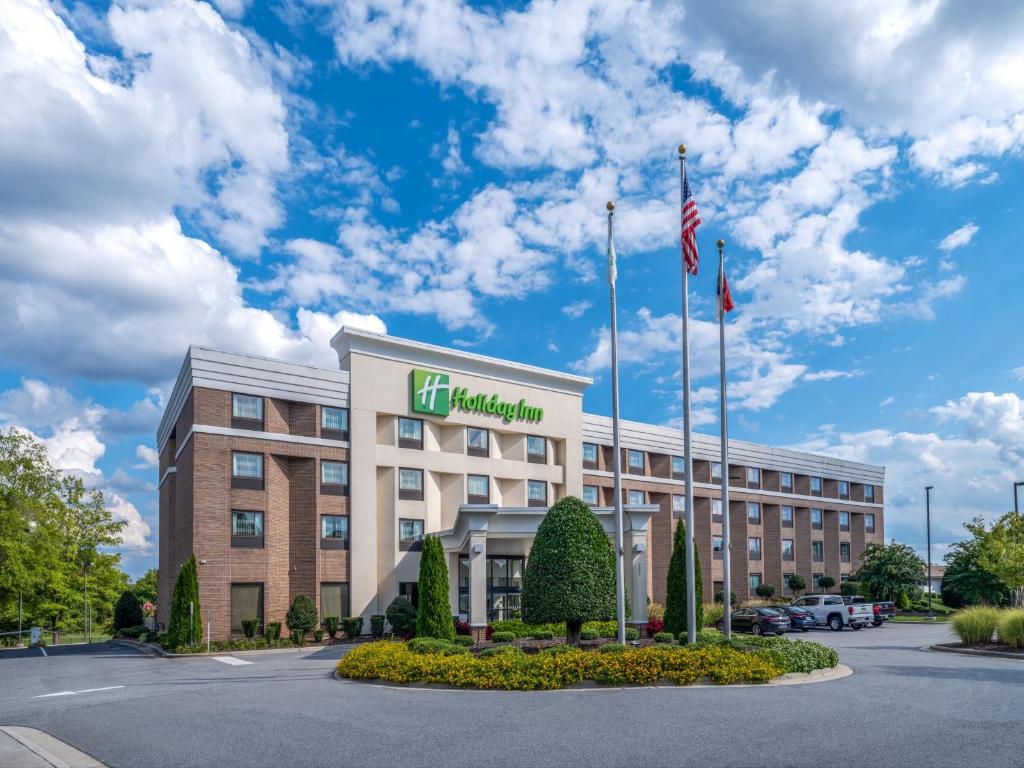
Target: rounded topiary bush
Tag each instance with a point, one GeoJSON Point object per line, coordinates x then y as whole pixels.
{"type": "Point", "coordinates": [503, 637]}
{"type": "Point", "coordinates": [664, 637]}
{"type": "Point", "coordinates": [401, 616]}
{"type": "Point", "coordinates": [127, 611]}
{"type": "Point", "coordinates": [505, 650]}
{"type": "Point", "coordinates": [435, 645]}
{"type": "Point", "coordinates": [765, 590]}
{"type": "Point", "coordinates": [590, 634]}
{"type": "Point", "coordinates": [975, 625]}
{"type": "Point", "coordinates": [301, 617]}
{"type": "Point", "coordinates": [1010, 628]}
{"type": "Point", "coordinates": [464, 640]}
{"type": "Point", "coordinates": [544, 634]}
{"type": "Point", "coordinates": [632, 633]}
{"type": "Point", "coordinates": [796, 582]}
{"type": "Point", "coordinates": [570, 574]}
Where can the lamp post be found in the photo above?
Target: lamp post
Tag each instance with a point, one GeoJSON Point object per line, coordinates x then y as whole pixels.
{"type": "Point", "coordinates": [928, 525]}
{"type": "Point", "coordinates": [1016, 501]}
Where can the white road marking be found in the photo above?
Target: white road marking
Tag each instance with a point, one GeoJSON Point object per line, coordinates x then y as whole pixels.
{"type": "Point", "coordinates": [43, 650]}
{"type": "Point", "coordinates": [231, 660]}
{"type": "Point", "coordinates": [75, 693]}
{"type": "Point", "coordinates": [58, 693]}
{"type": "Point", "coordinates": [93, 690]}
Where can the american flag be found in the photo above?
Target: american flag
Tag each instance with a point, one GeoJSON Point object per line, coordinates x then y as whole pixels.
{"type": "Point", "coordinates": [691, 220]}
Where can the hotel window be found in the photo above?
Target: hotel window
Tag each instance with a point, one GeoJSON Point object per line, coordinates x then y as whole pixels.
{"type": "Point", "coordinates": [716, 510]}
{"type": "Point", "coordinates": [410, 535]}
{"type": "Point", "coordinates": [410, 433]}
{"type": "Point", "coordinates": [478, 489]}
{"type": "Point", "coordinates": [333, 599]}
{"type": "Point", "coordinates": [410, 484]}
{"type": "Point", "coordinates": [333, 532]}
{"type": "Point", "coordinates": [815, 486]}
{"type": "Point", "coordinates": [786, 482]}
{"type": "Point", "coordinates": [634, 498]}
{"type": "Point", "coordinates": [678, 505]}
{"type": "Point", "coordinates": [786, 589]}
{"type": "Point", "coordinates": [754, 476]}
{"type": "Point", "coordinates": [817, 551]}
{"type": "Point", "coordinates": [844, 521]}
{"type": "Point", "coordinates": [869, 493]}
{"type": "Point", "coordinates": [410, 590]}
{"type": "Point", "coordinates": [536, 493]}
{"type": "Point", "coordinates": [844, 578]}
{"type": "Point", "coordinates": [754, 548]}
{"type": "Point", "coordinates": [590, 495]}
{"type": "Point", "coordinates": [590, 455]}
{"type": "Point", "coordinates": [536, 449]}
{"type": "Point", "coordinates": [816, 586]}
{"type": "Point", "coordinates": [716, 547]}
{"type": "Point", "coordinates": [755, 581]}
{"type": "Point", "coordinates": [678, 468]}
{"type": "Point", "coordinates": [753, 513]}
{"type": "Point", "coordinates": [246, 529]}
{"type": "Point", "coordinates": [844, 489]}
{"type": "Point", "coordinates": [869, 523]}
{"type": "Point", "coordinates": [786, 513]}
{"type": "Point", "coordinates": [247, 470]}
{"type": "Point", "coordinates": [477, 441]}
{"type": "Point", "coordinates": [816, 519]}
{"type": "Point", "coordinates": [247, 412]}
{"type": "Point", "coordinates": [716, 470]}
{"type": "Point", "coordinates": [334, 478]}
{"type": "Point", "coordinates": [635, 460]}
{"type": "Point", "coordinates": [246, 603]}
{"type": "Point", "coordinates": [844, 551]}
{"type": "Point", "coordinates": [788, 551]}
{"type": "Point", "coordinates": [333, 423]}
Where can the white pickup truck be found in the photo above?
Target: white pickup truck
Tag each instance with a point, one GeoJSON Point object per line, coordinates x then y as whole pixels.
{"type": "Point", "coordinates": [831, 611]}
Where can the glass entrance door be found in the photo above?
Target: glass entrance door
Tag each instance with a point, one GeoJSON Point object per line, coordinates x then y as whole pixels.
{"type": "Point", "coordinates": [504, 587]}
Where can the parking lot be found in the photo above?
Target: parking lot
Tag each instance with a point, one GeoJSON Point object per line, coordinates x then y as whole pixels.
{"type": "Point", "coordinates": [902, 706]}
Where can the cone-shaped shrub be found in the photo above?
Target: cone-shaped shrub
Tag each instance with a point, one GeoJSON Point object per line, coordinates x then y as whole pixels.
{"type": "Point", "coordinates": [570, 574]}
{"type": "Point", "coordinates": [186, 591]}
{"type": "Point", "coordinates": [675, 604]}
{"type": "Point", "coordinates": [127, 612]}
{"type": "Point", "coordinates": [434, 616]}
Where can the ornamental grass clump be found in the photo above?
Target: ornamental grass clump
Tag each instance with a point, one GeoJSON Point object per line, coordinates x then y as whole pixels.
{"type": "Point", "coordinates": [975, 625]}
{"type": "Point", "coordinates": [1010, 628]}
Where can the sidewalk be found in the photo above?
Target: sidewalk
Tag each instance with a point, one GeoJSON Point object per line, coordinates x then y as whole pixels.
{"type": "Point", "coordinates": [30, 748]}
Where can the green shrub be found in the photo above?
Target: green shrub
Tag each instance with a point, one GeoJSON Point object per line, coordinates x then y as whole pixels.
{"type": "Point", "coordinates": [544, 634]}
{"type": "Point", "coordinates": [558, 650]}
{"type": "Point", "coordinates": [318, 635]}
{"type": "Point", "coordinates": [710, 636]}
{"type": "Point", "coordinates": [377, 624]}
{"type": "Point", "coordinates": [272, 631]}
{"type": "Point", "coordinates": [570, 575]}
{"type": "Point", "coordinates": [301, 617]}
{"type": "Point", "coordinates": [505, 651]}
{"type": "Point", "coordinates": [632, 633]}
{"type": "Point", "coordinates": [181, 631]}
{"type": "Point", "coordinates": [676, 600]}
{"type": "Point", "coordinates": [765, 590]}
{"type": "Point", "coordinates": [352, 626]}
{"type": "Point", "coordinates": [603, 628]}
{"type": "Point", "coordinates": [464, 640]}
{"type": "Point", "coordinates": [298, 636]}
{"type": "Point", "coordinates": [826, 583]}
{"type": "Point", "coordinates": [249, 627]}
{"type": "Point", "coordinates": [720, 598]}
{"type": "Point", "coordinates": [127, 611]}
{"type": "Point", "coordinates": [612, 648]}
{"type": "Point", "coordinates": [975, 625]}
{"type": "Point", "coordinates": [1011, 627]}
{"type": "Point", "coordinates": [713, 612]}
{"type": "Point", "coordinates": [435, 645]}
{"type": "Point", "coordinates": [434, 615]}
{"type": "Point", "coordinates": [797, 582]}
{"type": "Point", "coordinates": [590, 634]}
{"type": "Point", "coordinates": [502, 637]}
{"type": "Point", "coordinates": [401, 616]}
{"type": "Point", "coordinates": [849, 588]}
{"type": "Point", "coordinates": [903, 602]}
{"type": "Point", "coordinates": [331, 623]}
{"type": "Point", "coordinates": [664, 637]}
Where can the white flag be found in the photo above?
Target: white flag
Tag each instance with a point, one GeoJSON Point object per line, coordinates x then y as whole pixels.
{"type": "Point", "coordinates": [612, 272]}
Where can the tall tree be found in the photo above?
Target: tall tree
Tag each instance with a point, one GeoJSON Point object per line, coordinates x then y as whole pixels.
{"type": "Point", "coordinates": [434, 616]}
{"type": "Point", "coordinates": [676, 600]}
{"type": "Point", "coordinates": [889, 570]}
{"type": "Point", "coordinates": [967, 581]}
{"type": "Point", "coordinates": [146, 587]}
{"type": "Point", "coordinates": [186, 626]}
{"type": "Point", "coordinates": [1001, 551]}
{"type": "Point", "coordinates": [570, 574]}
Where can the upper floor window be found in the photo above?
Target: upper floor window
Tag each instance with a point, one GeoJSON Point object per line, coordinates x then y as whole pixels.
{"type": "Point", "coordinates": [678, 504]}
{"type": "Point", "coordinates": [844, 521]}
{"type": "Point", "coordinates": [247, 408]}
{"type": "Point", "coordinates": [816, 519]}
{"type": "Point", "coordinates": [844, 489]}
{"type": "Point", "coordinates": [817, 551]}
{"type": "Point", "coordinates": [869, 493]}
{"type": "Point", "coordinates": [334, 421]}
{"type": "Point", "coordinates": [536, 449]}
{"type": "Point", "coordinates": [816, 486]}
{"type": "Point", "coordinates": [634, 497]}
{"type": "Point", "coordinates": [536, 493]}
{"type": "Point", "coordinates": [844, 551]}
{"type": "Point", "coordinates": [477, 441]}
{"type": "Point", "coordinates": [590, 453]}
{"type": "Point", "coordinates": [754, 547]}
{"type": "Point", "coordinates": [786, 514]}
{"type": "Point", "coordinates": [716, 510]}
{"type": "Point", "coordinates": [755, 581]}
{"type": "Point", "coordinates": [786, 481]}
{"type": "Point", "coordinates": [246, 529]}
{"type": "Point", "coordinates": [333, 476]}
{"type": "Point", "coordinates": [788, 552]}
{"type": "Point", "coordinates": [635, 460]}
{"type": "Point", "coordinates": [869, 523]}
{"type": "Point", "coordinates": [410, 433]}
{"type": "Point", "coordinates": [410, 535]}
{"type": "Point", "coordinates": [590, 495]}
{"type": "Point", "coordinates": [716, 545]}
{"type": "Point", "coordinates": [478, 489]}
{"type": "Point", "coordinates": [247, 470]}
{"type": "Point", "coordinates": [410, 484]}
{"type": "Point", "coordinates": [753, 512]}
{"type": "Point", "coordinates": [333, 532]}
{"type": "Point", "coordinates": [716, 470]}
{"type": "Point", "coordinates": [753, 476]}
{"type": "Point", "coordinates": [678, 468]}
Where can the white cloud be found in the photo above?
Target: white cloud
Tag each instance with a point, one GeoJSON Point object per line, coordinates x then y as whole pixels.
{"type": "Point", "coordinates": [148, 457]}
{"type": "Point", "coordinates": [887, 401]}
{"type": "Point", "coordinates": [958, 238]}
{"type": "Point", "coordinates": [828, 375]}
{"type": "Point", "coordinates": [577, 309]}
{"type": "Point", "coordinates": [1019, 372]}
{"type": "Point", "coordinates": [135, 535]}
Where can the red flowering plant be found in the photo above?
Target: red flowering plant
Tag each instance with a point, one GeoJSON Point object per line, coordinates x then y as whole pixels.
{"type": "Point", "coordinates": [654, 626]}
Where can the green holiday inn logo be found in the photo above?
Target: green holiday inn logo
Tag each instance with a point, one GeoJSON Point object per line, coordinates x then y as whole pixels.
{"type": "Point", "coordinates": [433, 394]}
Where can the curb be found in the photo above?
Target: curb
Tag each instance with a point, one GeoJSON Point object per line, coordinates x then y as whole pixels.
{"type": "Point", "coordinates": [976, 652]}
{"type": "Point", "coordinates": [792, 678]}
{"type": "Point", "coordinates": [145, 648]}
{"type": "Point", "coordinates": [157, 651]}
{"type": "Point", "coordinates": [50, 749]}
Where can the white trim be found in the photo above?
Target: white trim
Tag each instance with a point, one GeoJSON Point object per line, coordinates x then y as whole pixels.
{"type": "Point", "coordinates": [207, 429]}
{"type": "Point", "coordinates": [168, 471]}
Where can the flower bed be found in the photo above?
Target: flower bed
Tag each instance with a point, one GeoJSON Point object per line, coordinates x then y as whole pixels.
{"type": "Point", "coordinates": [509, 668]}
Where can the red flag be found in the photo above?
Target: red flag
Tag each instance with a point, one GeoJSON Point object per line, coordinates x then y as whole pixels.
{"type": "Point", "coordinates": [690, 222]}
{"type": "Point", "coordinates": [724, 301]}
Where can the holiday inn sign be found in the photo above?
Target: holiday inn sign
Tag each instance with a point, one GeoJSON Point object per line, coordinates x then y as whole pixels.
{"type": "Point", "coordinates": [433, 394]}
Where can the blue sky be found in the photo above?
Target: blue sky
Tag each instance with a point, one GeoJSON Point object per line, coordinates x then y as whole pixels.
{"type": "Point", "coordinates": [252, 176]}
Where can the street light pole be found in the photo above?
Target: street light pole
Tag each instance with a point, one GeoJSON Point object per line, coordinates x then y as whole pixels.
{"type": "Point", "coordinates": [1016, 501]}
{"type": "Point", "coordinates": [928, 524]}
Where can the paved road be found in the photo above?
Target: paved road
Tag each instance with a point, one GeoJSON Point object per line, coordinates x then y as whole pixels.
{"type": "Point", "coordinates": [903, 706]}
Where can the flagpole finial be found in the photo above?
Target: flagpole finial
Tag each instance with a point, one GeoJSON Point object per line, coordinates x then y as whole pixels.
{"type": "Point", "coordinates": [721, 244]}
{"type": "Point", "coordinates": [610, 206]}
{"type": "Point", "coordinates": [682, 150]}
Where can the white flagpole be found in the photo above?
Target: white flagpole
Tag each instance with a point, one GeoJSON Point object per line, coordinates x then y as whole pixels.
{"type": "Point", "coordinates": [691, 597]}
{"type": "Point", "coordinates": [726, 554]}
{"type": "Point", "coordinates": [620, 582]}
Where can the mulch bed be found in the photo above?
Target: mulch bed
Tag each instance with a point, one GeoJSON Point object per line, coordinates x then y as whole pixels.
{"type": "Point", "coordinates": [997, 647]}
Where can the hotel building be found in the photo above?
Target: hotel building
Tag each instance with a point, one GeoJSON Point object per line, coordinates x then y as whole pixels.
{"type": "Point", "coordinates": [286, 480]}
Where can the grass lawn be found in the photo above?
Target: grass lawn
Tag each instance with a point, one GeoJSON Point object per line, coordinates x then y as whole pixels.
{"type": "Point", "coordinates": [907, 619]}
{"type": "Point", "coordinates": [76, 637]}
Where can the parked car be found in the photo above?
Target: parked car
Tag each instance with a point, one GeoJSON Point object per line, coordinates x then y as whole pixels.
{"type": "Point", "coordinates": [758, 621]}
{"type": "Point", "coordinates": [831, 611]}
{"type": "Point", "coordinates": [798, 617]}
{"type": "Point", "coordinates": [882, 609]}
